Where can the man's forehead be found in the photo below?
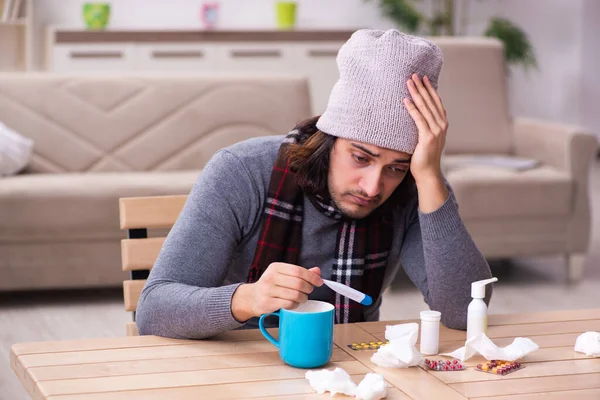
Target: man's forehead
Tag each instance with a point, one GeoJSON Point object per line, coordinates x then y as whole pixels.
{"type": "Point", "coordinates": [380, 151]}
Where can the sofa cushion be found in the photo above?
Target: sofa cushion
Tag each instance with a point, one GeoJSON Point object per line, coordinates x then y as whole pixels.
{"type": "Point", "coordinates": [77, 206]}
{"type": "Point", "coordinates": [473, 88]}
{"type": "Point", "coordinates": [485, 192]}
{"type": "Point", "coordinates": [129, 122]}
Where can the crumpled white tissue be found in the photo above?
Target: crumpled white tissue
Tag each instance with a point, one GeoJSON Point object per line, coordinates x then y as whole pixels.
{"type": "Point", "coordinates": [336, 381]}
{"type": "Point", "coordinates": [372, 387]}
{"type": "Point", "coordinates": [400, 352]}
{"type": "Point", "coordinates": [588, 343]}
{"type": "Point", "coordinates": [481, 344]}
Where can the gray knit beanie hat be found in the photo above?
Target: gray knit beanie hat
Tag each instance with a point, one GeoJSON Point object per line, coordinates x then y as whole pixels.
{"type": "Point", "coordinates": [366, 102]}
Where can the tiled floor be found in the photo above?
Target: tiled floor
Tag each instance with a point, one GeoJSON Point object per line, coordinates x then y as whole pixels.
{"type": "Point", "coordinates": [524, 285]}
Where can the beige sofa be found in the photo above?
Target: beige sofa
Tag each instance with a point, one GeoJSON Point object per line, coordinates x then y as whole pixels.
{"type": "Point", "coordinates": [539, 211]}
{"type": "Point", "coordinates": [98, 138]}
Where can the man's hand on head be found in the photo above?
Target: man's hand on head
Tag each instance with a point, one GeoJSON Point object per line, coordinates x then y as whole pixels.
{"type": "Point", "coordinates": [429, 115]}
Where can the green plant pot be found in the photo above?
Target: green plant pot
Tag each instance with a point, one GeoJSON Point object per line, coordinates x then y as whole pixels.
{"type": "Point", "coordinates": [96, 15]}
{"type": "Point", "coordinates": [286, 14]}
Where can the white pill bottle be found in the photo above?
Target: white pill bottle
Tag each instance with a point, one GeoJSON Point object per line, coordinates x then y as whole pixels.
{"type": "Point", "coordinates": [477, 317]}
{"type": "Point", "coordinates": [430, 332]}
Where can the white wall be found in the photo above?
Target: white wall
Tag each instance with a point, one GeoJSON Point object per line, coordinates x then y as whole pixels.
{"type": "Point", "coordinates": [590, 82]}
{"type": "Point", "coordinates": [554, 28]}
{"type": "Point", "coordinates": [561, 31]}
{"type": "Point", "coordinates": [234, 13]}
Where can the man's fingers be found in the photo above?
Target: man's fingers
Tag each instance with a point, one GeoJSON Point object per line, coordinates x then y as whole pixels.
{"type": "Point", "coordinates": [288, 294]}
{"type": "Point", "coordinates": [416, 116]}
{"type": "Point", "coordinates": [286, 304]}
{"type": "Point", "coordinates": [317, 271]}
{"type": "Point", "coordinates": [436, 98]}
{"type": "Point", "coordinates": [421, 105]}
{"type": "Point", "coordinates": [292, 282]}
{"type": "Point", "coordinates": [427, 99]}
{"type": "Point", "coordinates": [299, 272]}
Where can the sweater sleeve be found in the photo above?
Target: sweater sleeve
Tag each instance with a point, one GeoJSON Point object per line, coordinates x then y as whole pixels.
{"type": "Point", "coordinates": [440, 257]}
{"type": "Point", "coordinates": [184, 296]}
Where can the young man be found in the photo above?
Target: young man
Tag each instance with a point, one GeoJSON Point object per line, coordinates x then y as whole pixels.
{"type": "Point", "coordinates": [349, 196]}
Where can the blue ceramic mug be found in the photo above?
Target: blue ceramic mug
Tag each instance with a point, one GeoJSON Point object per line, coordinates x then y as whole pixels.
{"type": "Point", "coordinates": [305, 334]}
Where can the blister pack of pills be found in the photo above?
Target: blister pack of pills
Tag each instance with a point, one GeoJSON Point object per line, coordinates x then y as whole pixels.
{"type": "Point", "coordinates": [499, 367]}
{"type": "Point", "coordinates": [444, 365]}
{"type": "Point", "coordinates": [367, 345]}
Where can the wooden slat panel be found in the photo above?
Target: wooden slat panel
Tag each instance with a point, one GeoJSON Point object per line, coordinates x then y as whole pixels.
{"type": "Point", "coordinates": [586, 394]}
{"type": "Point", "coordinates": [13, 358]}
{"type": "Point", "coordinates": [541, 355]}
{"type": "Point", "coordinates": [512, 331]}
{"type": "Point", "coordinates": [392, 394]}
{"type": "Point", "coordinates": [418, 384]}
{"type": "Point", "coordinates": [77, 345]}
{"type": "Point", "coordinates": [150, 212]}
{"type": "Point", "coordinates": [554, 354]}
{"type": "Point", "coordinates": [546, 328]}
{"type": "Point", "coordinates": [132, 289]}
{"type": "Point", "coordinates": [415, 382]}
{"type": "Point", "coordinates": [131, 329]}
{"type": "Point", "coordinates": [164, 365]}
{"type": "Point", "coordinates": [184, 378]}
{"type": "Point", "coordinates": [59, 346]}
{"type": "Point", "coordinates": [137, 254]}
{"type": "Point", "coordinates": [529, 385]}
{"type": "Point", "coordinates": [229, 391]}
{"type": "Point", "coordinates": [244, 334]}
{"type": "Point", "coordinates": [505, 319]}
{"type": "Point", "coordinates": [531, 370]}
{"type": "Point", "coordinates": [202, 348]}
{"type": "Point", "coordinates": [22, 375]}
{"type": "Point", "coordinates": [559, 340]}
{"type": "Point", "coordinates": [545, 316]}
{"type": "Point", "coordinates": [379, 326]}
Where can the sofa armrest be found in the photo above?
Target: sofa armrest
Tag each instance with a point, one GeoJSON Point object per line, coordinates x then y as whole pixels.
{"type": "Point", "coordinates": [566, 147]}
{"type": "Point", "coordinates": [570, 149]}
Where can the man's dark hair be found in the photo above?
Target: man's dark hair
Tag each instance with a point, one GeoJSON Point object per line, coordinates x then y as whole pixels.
{"type": "Point", "coordinates": [309, 160]}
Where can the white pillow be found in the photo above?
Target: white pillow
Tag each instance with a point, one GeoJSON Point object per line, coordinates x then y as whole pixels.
{"type": "Point", "coordinates": [15, 151]}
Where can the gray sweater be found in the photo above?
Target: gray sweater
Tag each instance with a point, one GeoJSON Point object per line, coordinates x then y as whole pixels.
{"type": "Point", "coordinates": [208, 252]}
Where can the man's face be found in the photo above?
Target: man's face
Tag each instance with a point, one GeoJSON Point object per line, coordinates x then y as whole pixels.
{"type": "Point", "coordinates": [362, 176]}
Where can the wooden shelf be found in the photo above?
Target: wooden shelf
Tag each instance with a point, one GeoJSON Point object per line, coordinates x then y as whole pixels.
{"type": "Point", "coordinates": [163, 36]}
{"type": "Point", "coordinates": [16, 39]}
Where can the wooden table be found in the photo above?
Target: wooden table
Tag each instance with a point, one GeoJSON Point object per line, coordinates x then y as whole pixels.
{"type": "Point", "coordinates": [243, 365]}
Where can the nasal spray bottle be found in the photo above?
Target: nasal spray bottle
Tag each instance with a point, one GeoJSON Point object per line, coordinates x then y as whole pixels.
{"type": "Point", "coordinates": [477, 311]}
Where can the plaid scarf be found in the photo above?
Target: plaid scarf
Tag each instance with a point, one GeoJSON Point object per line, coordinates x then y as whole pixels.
{"type": "Point", "coordinates": [362, 246]}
